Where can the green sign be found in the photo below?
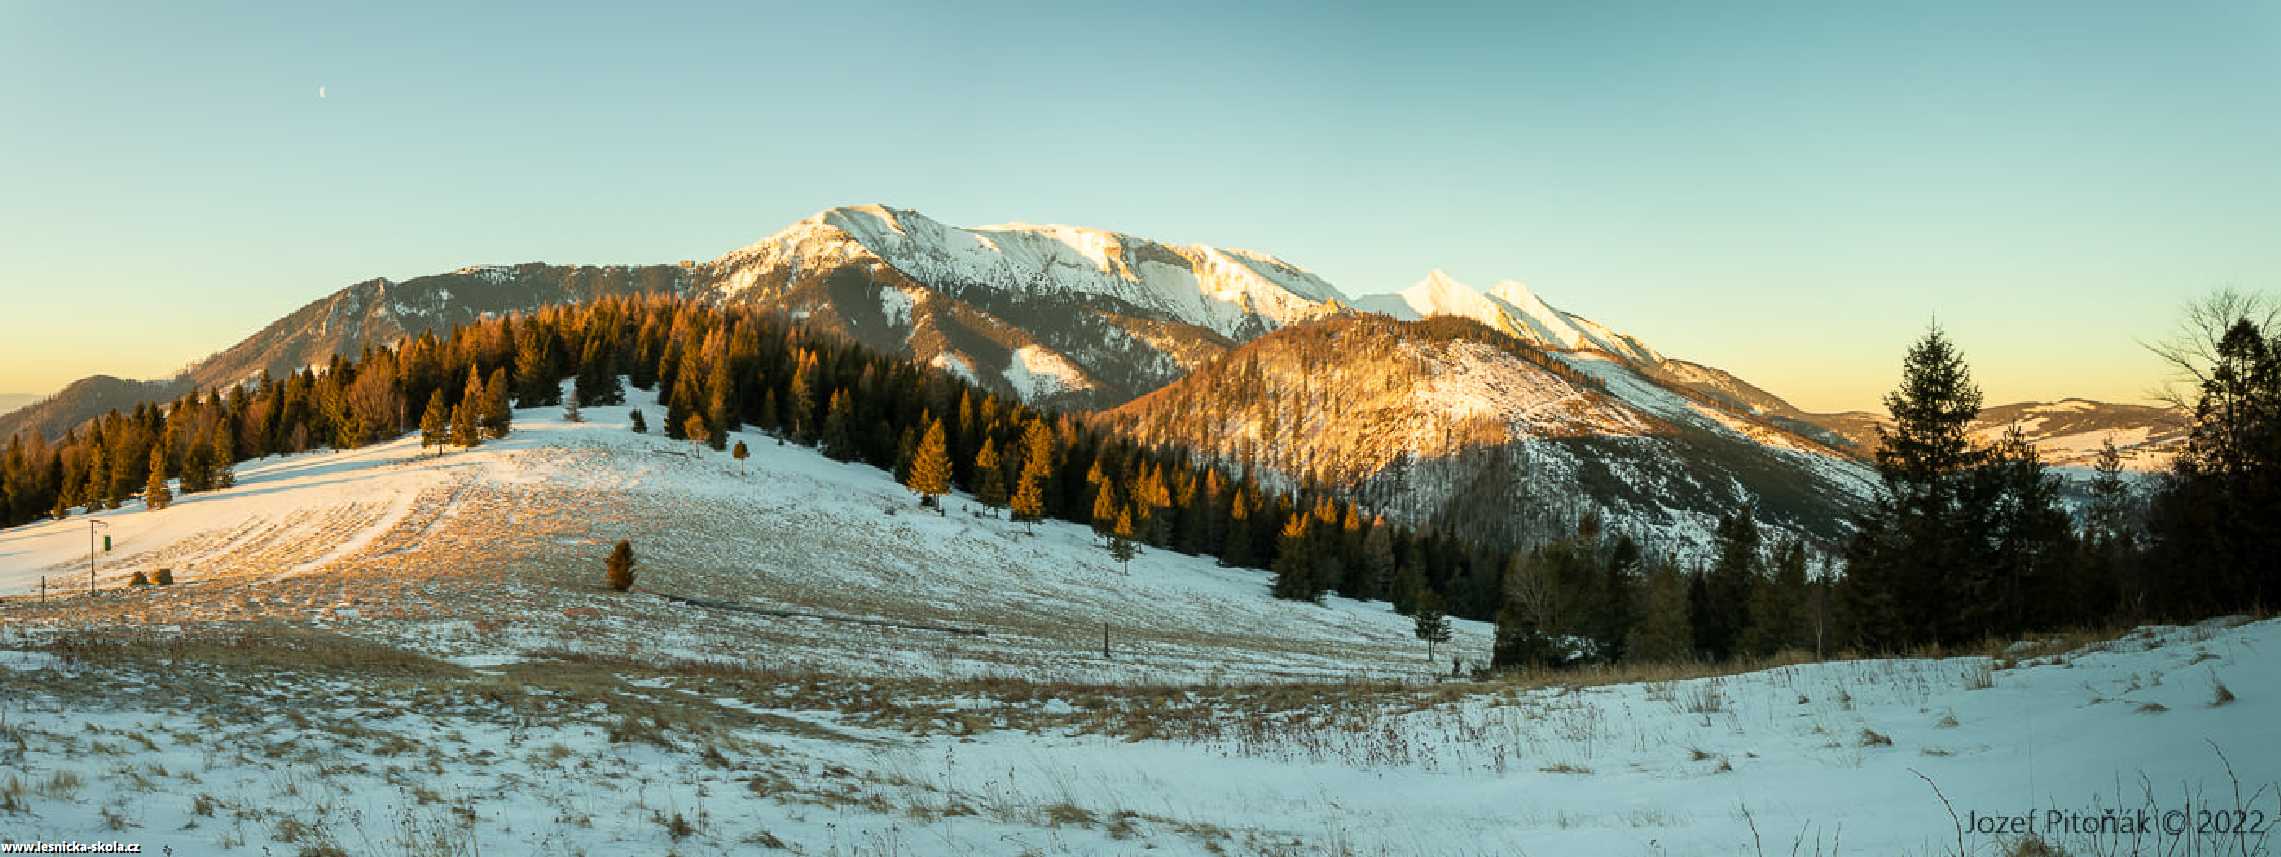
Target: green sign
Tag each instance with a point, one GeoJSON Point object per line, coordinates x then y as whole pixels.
{"type": "Point", "coordinates": [106, 544]}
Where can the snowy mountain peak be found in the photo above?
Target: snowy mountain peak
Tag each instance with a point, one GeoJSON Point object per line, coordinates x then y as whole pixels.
{"type": "Point", "coordinates": [1510, 307]}
{"type": "Point", "coordinates": [1235, 293]}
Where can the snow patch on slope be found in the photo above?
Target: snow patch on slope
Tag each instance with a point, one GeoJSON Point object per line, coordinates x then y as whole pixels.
{"type": "Point", "coordinates": [1037, 372]}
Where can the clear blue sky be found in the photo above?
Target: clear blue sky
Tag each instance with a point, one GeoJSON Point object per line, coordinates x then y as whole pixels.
{"type": "Point", "coordinates": [1789, 191]}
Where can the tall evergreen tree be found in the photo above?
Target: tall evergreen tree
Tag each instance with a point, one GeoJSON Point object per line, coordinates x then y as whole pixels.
{"type": "Point", "coordinates": [930, 466]}
{"type": "Point", "coordinates": [464, 433]}
{"type": "Point", "coordinates": [435, 423]}
{"type": "Point", "coordinates": [2212, 526]}
{"type": "Point", "coordinates": [1236, 550]}
{"type": "Point", "coordinates": [1105, 507]}
{"type": "Point", "coordinates": [1377, 561]}
{"type": "Point", "coordinates": [495, 417]}
{"type": "Point", "coordinates": [989, 477]}
{"type": "Point", "coordinates": [1907, 561]}
{"type": "Point", "coordinates": [1724, 605]}
{"type": "Point", "coordinates": [838, 441]}
{"type": "Point", "coordinates": [1295, 563]}
{"type": "Point", "coordinates": [155, 495]}
{"type": "Point", "coordinates": [1663, 633]}
{"type": "Point", "coordinates": [1030, 489]}
{"type": "Point", "coordinates": [221, 449]}
{"type": "Point", "coordinates": [1777, 615]}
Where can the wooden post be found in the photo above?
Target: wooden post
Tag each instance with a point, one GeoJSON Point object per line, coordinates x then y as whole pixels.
{"type": "Point", "coordinates": [1105, 640]}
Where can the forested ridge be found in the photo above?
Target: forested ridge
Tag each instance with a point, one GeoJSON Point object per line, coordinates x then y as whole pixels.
{"type": "Point", "coordinates": [1968, 540]}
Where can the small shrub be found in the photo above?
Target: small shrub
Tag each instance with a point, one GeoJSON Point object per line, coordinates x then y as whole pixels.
{"type": "Point", "coordinates": [1068, 813]}
{"type": "Point", "coordinates": [165, 577]}
{"type": "Point", "coordinates": [2153, 708]}
{"type": "Point", "coordinates": [1980, 677]}
{"type": "Point", "coordinates": [1874, 738]}
{"type": "Point", "coordinates": [2219, 693]}
{"type": "Point", "coordinates": [619, 573]}
{"type": "Point", "coordinates": [139, 579]}
{"type": "Point", "coordinates": [641, 425]}
{"type": "Point", "coordinates": [740, 453]}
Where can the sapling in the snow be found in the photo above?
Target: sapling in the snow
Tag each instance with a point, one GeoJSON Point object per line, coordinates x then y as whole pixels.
{"type": "Point", "coordinates": [640, 425]}
{"type": "Point", "coordinates": [619, 572]}
{"type": "Point", "coordinates": [1121, 547]}
{"type": "Point", "coordinates": [1432, 625]}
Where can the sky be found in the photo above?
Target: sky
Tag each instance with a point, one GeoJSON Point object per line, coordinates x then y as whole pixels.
{"type": "Point", "coordinates": [1790, 191]}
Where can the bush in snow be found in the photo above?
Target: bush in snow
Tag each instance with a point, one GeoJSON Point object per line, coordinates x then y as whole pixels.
{"type": "Point", "coordinates": [641, 426]}
{"type": "Point", "coordinates": [740, 453]}
{"type": "Point", "coordinates": [620, 575]}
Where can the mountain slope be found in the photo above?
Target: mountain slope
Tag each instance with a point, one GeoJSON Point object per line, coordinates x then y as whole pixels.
{"type": "Point", "coordinates": [86, 399]}
{"type": "Point", "coordinates": [1511, 308]}
{"type": "Point", "coordinates": [1060, 315]}
{"type": "Point", "coordinates": [381, 311]}
{"type": "Point", "coordinates": [1448, 422]}
{"type": "Point", "coordinates": [2068, 432]}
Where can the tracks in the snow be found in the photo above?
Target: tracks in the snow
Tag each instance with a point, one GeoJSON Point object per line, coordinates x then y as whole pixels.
{"type": "Point", "coordinates": [713, 604]}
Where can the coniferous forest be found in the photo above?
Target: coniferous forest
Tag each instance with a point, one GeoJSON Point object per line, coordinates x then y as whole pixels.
{"type": "Point", "coordinates": [1968, 541]}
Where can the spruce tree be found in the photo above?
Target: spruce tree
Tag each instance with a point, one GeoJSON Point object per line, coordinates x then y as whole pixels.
{"type": "Point", "coordinates": [1104, 507]}
{"type": "Point", "coordinates": [1377, 561]}
{"type": "Point", "coordinates": [570, 412]}
{"type": "Point", "coordinates": [1121, 547]}
{"type": "Point", "coordinates": [155, 495]}
{"type": "Point", "coordinates": [1431, 624]}
{"type": "Point", "coordinates": [1235, 549]}
{"type": "Point", "coordinates": [1909, 560]}
{"type": "Point", "coordinates": [597, 382]}
{"type": "Point", "coordinates": [98, 480]}
{"type": "Point", "coordinates": [930, 466]}
{"type": "Point", "coordinates": [1294, 565]}
{"type": "Point", "coordinates": [740, 453]}
{"type": "Point", "coordinates": [838, 439]}
{"type": "Point", "coordinates": [538, 380]}
{"type": "Point", "coordinates": [637, 422]}
{"type": "Point", "coordinates": [1729, 585]}
{"type": "Point", "coordinates": [464, 433]}
{"type": "Point", "coordinates": [989, 478]}
{"type": "Point", "coordinates": [1616, 607]}
{"type": "Point", "coordinates": [221, 449]}
{"type": "Point", "coordinates": [693, 430]}
{"type": "Point", "coordinates": [435, 423]}
{"type": "Point", "coordinates": [1037, 467]}
{"type": "Point", "coordinates": [1663, 633]}
{"type": "Point", "coordinates": [2212, 526]}
{"type": "Point", "coordinates": [496, 417]}
{"type": "Point", "coordinates": [1777, 616]}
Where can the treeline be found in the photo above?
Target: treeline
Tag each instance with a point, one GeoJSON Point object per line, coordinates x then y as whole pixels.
{"type": "Point", "coordinates": [1968, 541]}
{"type": "Point", "coordinates": [719, 370]}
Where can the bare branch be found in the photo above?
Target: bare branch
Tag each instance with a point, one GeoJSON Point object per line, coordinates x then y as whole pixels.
{"type": "Point", "coordinates": [2191, 349]}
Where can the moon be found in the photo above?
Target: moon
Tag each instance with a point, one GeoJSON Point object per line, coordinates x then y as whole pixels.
{"type": "Point", "coordinates": [320, 92]}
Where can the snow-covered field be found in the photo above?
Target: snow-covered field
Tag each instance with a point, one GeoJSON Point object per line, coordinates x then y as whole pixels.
{"type": "Point", "coordinates": [380, 653]}
{"type": "Point", "coordinates": [387, 541]}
